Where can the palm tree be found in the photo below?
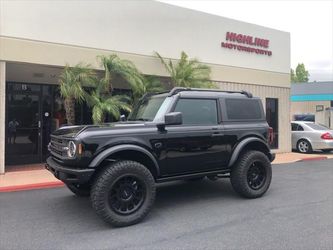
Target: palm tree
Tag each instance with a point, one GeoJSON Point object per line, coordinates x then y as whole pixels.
{"type": "Point", "coordinates": [103, 104]}
{"type": "Point", "coordinates": [148, 84]}
{"type": "Point", "coordinates": [72, 80]}
{"type": "Point", "coordinates": [101, 99]}
{"type": "Point", "coordinates": [187, 72]}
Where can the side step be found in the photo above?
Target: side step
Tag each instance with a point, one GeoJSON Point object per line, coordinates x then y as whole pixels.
{"type": "Point", "coordinates": [195, 175]}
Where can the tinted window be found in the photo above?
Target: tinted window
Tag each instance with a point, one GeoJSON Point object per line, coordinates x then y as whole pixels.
{"type": "Point", "coordinates": [197, 111]}
{"type": "Point", "coordinates": [293, 127]}
{"type": "Point", "coordinates": [300, 128]}
{"type": "Point", "coordinates": [243, 109]}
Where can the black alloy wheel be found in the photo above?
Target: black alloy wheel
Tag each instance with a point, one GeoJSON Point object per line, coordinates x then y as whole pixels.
{"type": "Point", "coordinates": [127, 195]}
{"type": "Point", "coordinates": [123, 193]}
{"type": "Point", "coordinates": [251, 175]}
{"type": "Point", "coordinates": [256, 175]}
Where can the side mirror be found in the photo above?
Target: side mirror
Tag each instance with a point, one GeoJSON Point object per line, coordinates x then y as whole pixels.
{"type": "Point", "coordinates": [173, 118]}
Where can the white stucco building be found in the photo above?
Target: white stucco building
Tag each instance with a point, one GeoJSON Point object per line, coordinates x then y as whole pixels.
{"type": "Point", "coordinates": [37, 39]}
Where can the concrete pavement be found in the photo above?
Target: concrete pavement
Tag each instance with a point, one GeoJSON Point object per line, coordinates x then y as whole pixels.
{"type": "Point", "coordinates": [296, 213]}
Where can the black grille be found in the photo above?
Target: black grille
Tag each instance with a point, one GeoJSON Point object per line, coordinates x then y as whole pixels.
{"type": "Point", "coordinates": [57, 146]}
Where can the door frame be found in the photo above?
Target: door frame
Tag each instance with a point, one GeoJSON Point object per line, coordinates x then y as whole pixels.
{"type": "Point", "coordinates": [39, 94]}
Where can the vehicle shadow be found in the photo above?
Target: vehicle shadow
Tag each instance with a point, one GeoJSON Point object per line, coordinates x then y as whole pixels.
{"type": "Point", "coordinates": [70, 209]}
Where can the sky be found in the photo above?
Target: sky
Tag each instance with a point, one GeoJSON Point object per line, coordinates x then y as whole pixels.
{"type": "Point", "coordinates": [310, 24]}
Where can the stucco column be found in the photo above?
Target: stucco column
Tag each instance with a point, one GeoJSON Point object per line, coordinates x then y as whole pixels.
{"type": "Point", "coordinates": [2, 115]}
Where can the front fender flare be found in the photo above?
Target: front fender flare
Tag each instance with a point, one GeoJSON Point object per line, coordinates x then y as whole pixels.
{"type": "Point", "coordinates": [104, 154]}
{"type": "Point", "coordinates": [241, 146]}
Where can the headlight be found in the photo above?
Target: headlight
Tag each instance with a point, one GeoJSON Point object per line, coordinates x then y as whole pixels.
{"type": "Point", "coordinates": [71, 151]}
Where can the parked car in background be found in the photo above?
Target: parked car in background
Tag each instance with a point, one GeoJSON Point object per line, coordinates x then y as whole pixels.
{"type": "Point", "coordinates": [309, 136]}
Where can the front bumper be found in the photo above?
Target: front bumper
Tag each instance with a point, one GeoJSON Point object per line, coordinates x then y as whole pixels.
{"type": "Point", "coordinates": [68, 174]}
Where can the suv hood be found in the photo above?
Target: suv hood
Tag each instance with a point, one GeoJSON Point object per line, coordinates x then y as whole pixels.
{"type": "Point", "coordinates": [73, 131]}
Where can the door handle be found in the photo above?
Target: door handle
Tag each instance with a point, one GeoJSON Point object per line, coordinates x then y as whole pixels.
{"type": "Point", "coordinates": [216, 134]}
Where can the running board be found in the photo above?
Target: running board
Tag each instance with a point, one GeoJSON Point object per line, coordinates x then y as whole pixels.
{"type": "Point", "coordinates": [195, 175]}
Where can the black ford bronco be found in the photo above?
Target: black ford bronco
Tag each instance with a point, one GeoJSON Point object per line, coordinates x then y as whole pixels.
{"type": "Point", "coordinates": [184, 134]}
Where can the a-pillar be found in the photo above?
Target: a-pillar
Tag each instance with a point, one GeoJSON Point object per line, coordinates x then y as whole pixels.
{"type": "Point", "coordinates": [2, 115]}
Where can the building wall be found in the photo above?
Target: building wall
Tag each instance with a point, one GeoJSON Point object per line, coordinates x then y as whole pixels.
{"type": "Point", "coordinates": [52, 54]}
{"type": "Point", "coordinates": [307, 107]}
{"type": "Point", "coordinates": [283, 94]}
{"type": "Point", "coordinates": [142, 27]}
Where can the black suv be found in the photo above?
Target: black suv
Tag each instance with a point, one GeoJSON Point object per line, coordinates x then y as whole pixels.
{"type": "Point", "coordinates": [184, 134]}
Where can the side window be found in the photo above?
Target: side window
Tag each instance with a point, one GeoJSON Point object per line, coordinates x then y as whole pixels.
{"type": "Point", "coordinates": [300, 128]}
{"type": "Point", "coordinates": [293, 127]}
{"type": "Point", "coordinates": [197, 111]}
{"type": "Point", "coordinates": [244, 109]}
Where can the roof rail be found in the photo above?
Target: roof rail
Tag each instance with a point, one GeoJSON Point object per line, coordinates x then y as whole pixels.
{"type": "Point", "coordinates": [176, 90]}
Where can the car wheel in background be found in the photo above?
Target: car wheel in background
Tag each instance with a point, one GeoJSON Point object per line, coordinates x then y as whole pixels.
{"type": "Point", "coordinates": [304, 146]}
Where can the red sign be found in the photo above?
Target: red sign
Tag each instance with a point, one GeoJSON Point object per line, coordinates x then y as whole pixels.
{"type": "Point", "coordinates": [246, 43]}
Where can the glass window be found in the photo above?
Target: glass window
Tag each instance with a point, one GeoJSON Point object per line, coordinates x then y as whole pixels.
{"type": "Point", "coordinates": [243, 109]}
{"type": "Point", "coordinates": [293, 127]}
{"type": "Point", "coordinates": [147, 109]}
{"type": "Point", "coordinates": [197, 111]}
{"type": "Point", "coordinates": [272, 118]}
{"type": "Point", "coordinates": [300, 128]}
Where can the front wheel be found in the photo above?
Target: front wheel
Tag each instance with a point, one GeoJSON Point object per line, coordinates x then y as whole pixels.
{"type": "Point", "coordinates": [123, 193]}
{"type": "Point", "coordinates": [252, 174]}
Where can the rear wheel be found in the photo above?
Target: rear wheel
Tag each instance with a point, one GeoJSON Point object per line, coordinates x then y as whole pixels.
{"type": "Point", "coordinates": [81, 190]}
{"type": "Point", "coordinates": [252, 174]}
{"type": "Point", "coordinates": [304, 146]}
{"type": "Point", "coordinates": [123, 193]}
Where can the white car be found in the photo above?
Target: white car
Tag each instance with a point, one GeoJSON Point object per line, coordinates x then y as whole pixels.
{"type": "Point", "coordinates": [309, 136]}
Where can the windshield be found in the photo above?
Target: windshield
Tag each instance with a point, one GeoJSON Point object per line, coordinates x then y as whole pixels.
{"type": "Point", "coordinates": [150, 109]}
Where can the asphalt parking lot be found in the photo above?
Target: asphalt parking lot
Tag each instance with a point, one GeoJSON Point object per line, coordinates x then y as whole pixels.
{"type": "Point", "coordinates": [296, 213]}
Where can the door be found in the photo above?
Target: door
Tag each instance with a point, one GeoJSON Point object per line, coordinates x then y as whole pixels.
{"type": "Point", "coordinates": [196, 145]}
{"type": "Point", "coordinates": [23, 124]}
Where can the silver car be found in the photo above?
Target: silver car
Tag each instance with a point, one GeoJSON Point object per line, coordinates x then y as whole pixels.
{"type": "Point", "coordinates": [309, 136]}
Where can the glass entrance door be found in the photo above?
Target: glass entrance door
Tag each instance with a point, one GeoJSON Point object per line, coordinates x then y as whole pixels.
{"type": "Point", "coordinates": [23, 126]}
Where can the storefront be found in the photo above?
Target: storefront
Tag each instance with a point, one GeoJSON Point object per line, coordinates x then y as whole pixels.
{"type": "Point", "coordinates": [242, 56]}
{"type": "Point", "coordinates": [312, 101]}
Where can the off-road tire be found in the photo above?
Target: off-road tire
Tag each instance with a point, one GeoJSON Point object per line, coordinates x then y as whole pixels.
{"type": "Point", "coordinates": [79, 190]}
{"type": "Point", "coordinates": [106, 181]}
{"type": "Point", "coordinates": [309, 149]}
{"type": "Point", "coordinates": [239, 176]}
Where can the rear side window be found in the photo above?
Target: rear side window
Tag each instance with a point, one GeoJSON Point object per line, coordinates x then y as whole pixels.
{"type": "Point", "coordinates": [197, 111]}
{"type": "Point", "coordinates": [293, 127]}
{"type": "Point", "coordinates": [244, 109]}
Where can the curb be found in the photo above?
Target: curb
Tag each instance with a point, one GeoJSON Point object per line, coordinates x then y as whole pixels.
{"type": "Point", "coordinates": [318, 158]}
{"type": "Point", "coordinates": [31, 186]}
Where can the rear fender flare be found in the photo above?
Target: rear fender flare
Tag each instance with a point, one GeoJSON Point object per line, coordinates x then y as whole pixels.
{"type": "Point", "coordinates": [242, 145]}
